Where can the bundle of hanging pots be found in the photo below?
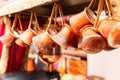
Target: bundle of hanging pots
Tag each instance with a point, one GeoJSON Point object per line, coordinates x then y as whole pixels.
{"type": "Point", "coordinates": [20, 37]}
{"type": "Point", "coordinates": [53, 35]}
{"type": "Point", "coordinates": [96, 32]}
{"type": "Point", "coordinates": [87, 30]}
{"type": "Point", "coordinates": [13, 33]}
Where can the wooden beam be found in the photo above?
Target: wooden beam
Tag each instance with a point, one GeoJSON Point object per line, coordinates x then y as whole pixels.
{"type": "Point", "coordinates": [74, 52]}
{"type": "Point", "coordinates": [15, 6]}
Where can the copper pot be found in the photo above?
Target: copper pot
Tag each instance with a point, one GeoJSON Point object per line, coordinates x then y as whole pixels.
{"type": "Point", "coordinates": [92, 42]}
{"type": "Point", "coordinates": [7, 39]}
{"type": "Point", "coordinates": [30, 65]}
{"type": "Point", "coordinates": [79, 20]}
{"type": "Point", "coordinates": [27, 36]}
{"type": "Point", "coordinates": [110, 29]}
{"type": "Point", "coordinates": [42, 41]}
{"type": "Point", "coordinates": [63, 37]}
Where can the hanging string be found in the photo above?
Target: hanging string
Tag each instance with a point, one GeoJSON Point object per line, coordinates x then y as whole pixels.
{"type": "Point", "coordinates": [31, 17]}
{"type": "Point", "coordinates": [55, 17]}
{"type": "Point", "coordinates": [99, 10]}
{"type": "Point", "coordinates": [108, 8]}
{"type": "Point", "coordinates": [14, 21]}
{"type": "Point", "coordinates": [19, 19]}
{"type": "Point", "coordinates": [51, 17]}
{"type": "Point", "coordinates": [36, 22]}
{"type": "Point", "coordinates": [61, 14]}
{"type": "Point", "coordinates": [92, 4]}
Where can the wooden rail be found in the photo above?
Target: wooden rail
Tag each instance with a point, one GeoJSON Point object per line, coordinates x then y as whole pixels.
{"type": "Point", "coordinates": [74, 52]}
{"type": "Point", "coordinates": [14, 6]}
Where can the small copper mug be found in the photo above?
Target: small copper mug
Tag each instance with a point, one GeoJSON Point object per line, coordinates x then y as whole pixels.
{"type": "Point", "coordinates": [42, 41]}
{"type": "Point", "coordinates": [63, 37]}
{"type": "Point", "coordinates": [30, 65]}
{"type": "Point", "coordinates": [110, 29]}
{"type": "Point", "coordinates": [8, 38]}
{"type": "Point", "coordinates": [92, 42]}
{"type": "Point", "coordinates": [27, 36]}
{"type": "Point", "coordinates": [79, 20]}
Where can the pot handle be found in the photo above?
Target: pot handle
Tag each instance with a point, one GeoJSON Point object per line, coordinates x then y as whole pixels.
{"type": "Point", "coordinates": [93, 3]}
{"type": "Point", "coordinates": [107, 2]}
{"type": "Point", "coordinates": [31, 17]}
{"type": "Point", "coordinates": [51, 16]}
{"type": "Point", "coordinates": [37, 23]}
{"type": "Point", "coordinates": [20, 23]}
{"type": "Point", "coordinates": [99, 10]}
{"type": "Point", "coordinates": [17, 17]}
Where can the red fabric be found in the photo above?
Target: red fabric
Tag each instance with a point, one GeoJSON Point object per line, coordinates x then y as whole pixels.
{"type": "Point", "coordinates": [19, 56]}
{"type": "Point", "coordinates": [16, 53]}
{"type": "Point", "coordinates": [2, 31]}
{"type": "Point", "coordinates": [11, 60]}
{"type": "Point", "coordinates": [16, 56]}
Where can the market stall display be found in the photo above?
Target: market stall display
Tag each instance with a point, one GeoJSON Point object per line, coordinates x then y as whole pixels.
{"type": "Point", "coordinates": [85, 31]}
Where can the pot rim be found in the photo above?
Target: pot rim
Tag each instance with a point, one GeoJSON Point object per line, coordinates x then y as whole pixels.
{"type": "Point", "coordinates": [90, 15]}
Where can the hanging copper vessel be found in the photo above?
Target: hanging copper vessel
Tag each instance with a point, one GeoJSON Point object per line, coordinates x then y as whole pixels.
{"type": "Point", "coordinates": [79, 20]}
{"type": "Point", "coordinates": [92, 42]}
{"type": "Point", "coordinates": [110, 29]}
